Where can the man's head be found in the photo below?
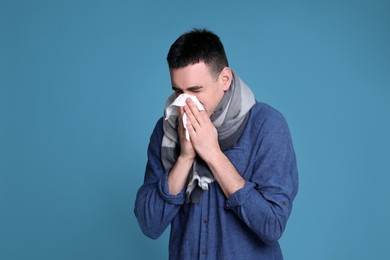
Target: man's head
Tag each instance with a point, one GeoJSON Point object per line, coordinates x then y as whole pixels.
{"type": "Point", "coordinates": [198, 45]}
{"type": "Point", "coordinates": [198, 66]}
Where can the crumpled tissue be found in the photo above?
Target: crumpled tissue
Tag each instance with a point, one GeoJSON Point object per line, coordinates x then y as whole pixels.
{"type": "Point", "coordinates": [180, 101]}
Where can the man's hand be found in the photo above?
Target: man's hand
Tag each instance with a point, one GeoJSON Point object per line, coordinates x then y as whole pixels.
{"type": "Point", "coordinates": [179, 173]}
{"type": "Point", "coordinates": [203, 134]}
{"type": "Point", "coordinates": [186, 149]}
{"type": "Point", "coordinates": [204, 139]}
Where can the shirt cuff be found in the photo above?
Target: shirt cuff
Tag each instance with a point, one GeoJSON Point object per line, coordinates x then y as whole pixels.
{"type": "Point", "coordinates": [163, 190]}
{"type": "Point", "coordinates": [239, 197]}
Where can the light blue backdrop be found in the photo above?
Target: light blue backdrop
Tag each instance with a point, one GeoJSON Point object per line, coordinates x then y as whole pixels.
{"type": "Point", "coordinates": [83, 82]}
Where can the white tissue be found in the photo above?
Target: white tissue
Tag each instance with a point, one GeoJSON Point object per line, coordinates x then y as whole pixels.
{"type": "Point", "coordinates": [180, 101]}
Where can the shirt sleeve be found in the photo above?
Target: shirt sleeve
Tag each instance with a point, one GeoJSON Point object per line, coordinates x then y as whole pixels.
{"type": "Point", "coordinates": [264, 203]}
{"type": "Point", "coordinates": [154, 207]}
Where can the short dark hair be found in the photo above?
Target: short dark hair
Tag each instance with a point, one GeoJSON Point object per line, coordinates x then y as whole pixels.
{"type": "Point", "coordinates": [195, 46]}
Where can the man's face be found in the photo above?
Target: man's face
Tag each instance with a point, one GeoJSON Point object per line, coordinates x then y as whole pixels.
{"type": "Point", "coordinates": [197, 80]}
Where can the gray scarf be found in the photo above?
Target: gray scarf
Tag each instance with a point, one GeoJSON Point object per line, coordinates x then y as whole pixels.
{"type": "Point", "coordinates": [229, 119]}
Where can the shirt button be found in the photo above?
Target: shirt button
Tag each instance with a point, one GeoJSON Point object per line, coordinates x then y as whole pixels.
{"type": "Point", "coordinates": [204, 251]}
{"type": "Point", "coordinates": [205, 221]}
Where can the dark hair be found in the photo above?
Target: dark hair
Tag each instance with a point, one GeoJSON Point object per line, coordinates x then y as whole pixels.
{"type": "Point", "coordinates": [196, 46]}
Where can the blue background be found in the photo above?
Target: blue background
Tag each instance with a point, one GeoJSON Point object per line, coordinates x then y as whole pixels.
{"type": "Point", "coordinates": [83, 82]}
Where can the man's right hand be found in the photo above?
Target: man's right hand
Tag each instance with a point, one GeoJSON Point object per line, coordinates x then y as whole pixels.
{"type": "Point", "coordinates": [186, 149]}
{"type": "Point", "coordinates": [178, 175]}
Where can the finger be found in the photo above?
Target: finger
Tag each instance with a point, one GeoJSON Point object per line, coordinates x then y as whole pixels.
{"type": "Point", "coordinates": [180, 119]}
{"type": "Point", "coordinates": [190, 127]}
{"type": "Point", "coordinates": [194, 109]}
{"type": "Point", "coordinates": [203, 117]}
{"type": "Point", "coordinates": [181, 111]}
{"type": "Point", "coordinates": [191, 118]}
{"type": "Point", "coordinates": [200, 115]}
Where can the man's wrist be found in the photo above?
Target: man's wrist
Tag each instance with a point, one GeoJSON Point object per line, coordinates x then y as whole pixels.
{"type": "Point", "coordinates": [215, 157]}
{"type": "Point", "coordinates": [186, 159]}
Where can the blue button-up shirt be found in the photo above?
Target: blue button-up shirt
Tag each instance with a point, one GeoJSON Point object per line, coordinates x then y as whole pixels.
{"type": "Point", "coordinates": [248, 224]}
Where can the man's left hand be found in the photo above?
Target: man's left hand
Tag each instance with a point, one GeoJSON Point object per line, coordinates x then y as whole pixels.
{"type": "Point", "coordinates": [203, 134]}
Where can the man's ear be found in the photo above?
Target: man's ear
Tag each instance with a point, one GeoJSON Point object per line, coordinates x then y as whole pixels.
{"type": "Point", "coordinates": [225, 78]}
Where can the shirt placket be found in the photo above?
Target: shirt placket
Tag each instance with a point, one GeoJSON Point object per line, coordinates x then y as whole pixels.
{"type": "Point", "coordinates": [204, 226]}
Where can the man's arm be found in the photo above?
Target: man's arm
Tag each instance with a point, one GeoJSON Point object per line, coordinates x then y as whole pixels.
{"type": "Point", "coordinates": [225, 174]}
{"type": "Point", "coordinates": [178, 175]}
{"type": "Point", "coordinates": [155, 206]}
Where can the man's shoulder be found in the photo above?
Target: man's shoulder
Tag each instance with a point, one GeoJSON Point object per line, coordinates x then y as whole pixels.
{"type": "Point", "coordinates": [265, 122]}
{"type": "Point", "coordinates": [159, 123]}
{"type": "Point", "coordinates": [264, 112]}
{"type": "Point", "coordinates": [158, 131]}
{"type": "Point", "coordinates": [264, 118]}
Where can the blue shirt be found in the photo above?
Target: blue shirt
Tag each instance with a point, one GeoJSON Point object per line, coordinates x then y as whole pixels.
{"type": "Point", "coordinates": [249, 223]}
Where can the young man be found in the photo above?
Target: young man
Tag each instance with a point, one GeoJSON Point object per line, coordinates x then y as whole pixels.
{"type": "Point", "coordinates": [227, 191]}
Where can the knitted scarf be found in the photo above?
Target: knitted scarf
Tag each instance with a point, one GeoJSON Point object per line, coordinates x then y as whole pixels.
{"type": "Point", "coordinates": [229, 119]}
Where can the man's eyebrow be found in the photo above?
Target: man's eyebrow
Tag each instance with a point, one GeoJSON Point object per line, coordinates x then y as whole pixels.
{"type": "Point", "coordinates": [192, 88]}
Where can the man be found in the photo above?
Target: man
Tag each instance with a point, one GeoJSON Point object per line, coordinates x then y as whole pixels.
{"type": "Point", "coordinates": [227, 192]}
